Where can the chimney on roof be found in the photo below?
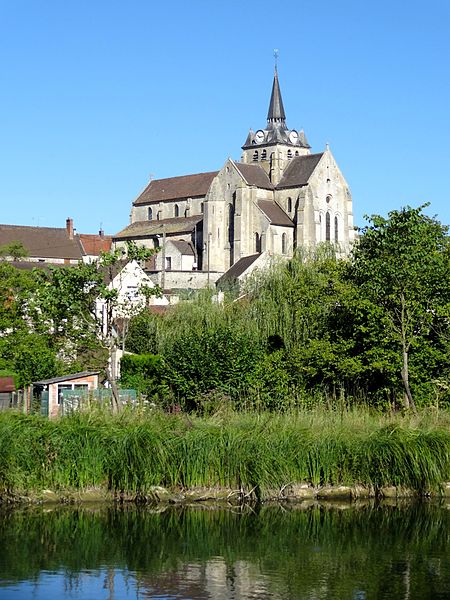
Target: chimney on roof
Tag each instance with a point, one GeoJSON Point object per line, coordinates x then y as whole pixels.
{"type": "Point", "coordinates": [69, 227]}
{"type": "Point", "coordinates": [101, 233]}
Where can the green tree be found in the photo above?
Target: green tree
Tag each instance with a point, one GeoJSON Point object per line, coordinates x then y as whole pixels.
{"type": "Point", "coordinates": [14, 250]}
{"type": "Point", "coordinates": [82, 308]}
{"type": "Point", "coordinates": [401, 266]}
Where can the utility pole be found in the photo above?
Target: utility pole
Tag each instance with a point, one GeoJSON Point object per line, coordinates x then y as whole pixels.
{"type": "Point", "coordinates": [163, 256]}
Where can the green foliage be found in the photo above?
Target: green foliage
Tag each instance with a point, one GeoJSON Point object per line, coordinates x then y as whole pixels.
{"type": "Point", "coordinates": [263, 452]}
{"type": "Point", "coordinates": [14, 250]}
{"type": "Point", "coordinates": [145, 373]}
{"type": "Point", "coordinates": [401, 269]}
{"type": "Point", "coordinates": [142, 333]}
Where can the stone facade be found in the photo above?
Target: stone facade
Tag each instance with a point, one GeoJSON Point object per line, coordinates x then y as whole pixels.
{"type": "Point", "coordinates": [279, 197]}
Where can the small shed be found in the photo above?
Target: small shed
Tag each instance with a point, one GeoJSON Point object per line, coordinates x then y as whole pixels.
{"type": "Point", "coordinates": [7, 392]}
{"type": "Point", "coordinates": [50, 390]}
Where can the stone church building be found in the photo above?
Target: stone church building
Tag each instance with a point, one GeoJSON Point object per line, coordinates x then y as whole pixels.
{"type": "Point", "coordinates": [279, 197]}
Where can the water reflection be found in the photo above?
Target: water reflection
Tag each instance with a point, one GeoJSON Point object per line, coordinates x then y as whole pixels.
{"type": "Point", "coordinates": [283, 552]}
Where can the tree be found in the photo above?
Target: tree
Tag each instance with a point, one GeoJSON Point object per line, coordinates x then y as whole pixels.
{"type": "Point", "coordinates": [82, 304]}
{"type": "Point", "coordinates": [14, 250]}
{"type": "Point", "coordinates": [402, 267]}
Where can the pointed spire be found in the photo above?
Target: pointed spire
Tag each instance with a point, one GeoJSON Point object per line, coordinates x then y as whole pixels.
{"type": "Point", "coordinates": [276, 109]}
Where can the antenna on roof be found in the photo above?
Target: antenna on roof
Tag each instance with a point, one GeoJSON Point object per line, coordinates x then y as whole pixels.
{"type": "Point", "coordinates": [276, 53]}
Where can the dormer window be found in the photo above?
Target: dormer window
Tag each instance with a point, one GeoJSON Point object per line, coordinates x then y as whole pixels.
{"type": "Point", "coordinates": [149, 214]}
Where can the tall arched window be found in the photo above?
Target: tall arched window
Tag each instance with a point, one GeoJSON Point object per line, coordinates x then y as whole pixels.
{"type": "Point", "coordinates": [257, 242]}
{"type": "Point", "coordinates": [176, 211]}
{"type": "Point", "coordinates": [255, 156]}
{"type": "Point", "coordinates": [289, 204]}
{"type": "Point", "coordinates": [201, 207]}
{"type": "Point", "coordinates": [327, 227]}
{"type": "Point", "coordinates": [149, 214]}
{"type": "Point", "coordinates": [283, 243]}
{"type": "Point", "coordinates": [336, 230]}
{"type": "Point", "coordinates": [264, 155]}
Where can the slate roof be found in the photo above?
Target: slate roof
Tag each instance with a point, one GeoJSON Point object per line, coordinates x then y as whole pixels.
{"type": "Point", "coordinates": [276, 108]}
{"type": "Point", "coordinates": [254, 175]}
{"type": "Point", "coordinates": [94, 244]}
{"type": "Point", "coordinates": [43, 242]}
{"type": "Point", "coordinates": [173, 188]}
{"type": "Point", "coordinates": [299, 170]}
{"type": "Point", "coordinates": [149, 228]}
{"type": "Point", "coordinates": [183, 247]}
{"type": "Point", "coordinates": [236, 270]}
{"type": "Point", "coordinates": [275, 213]}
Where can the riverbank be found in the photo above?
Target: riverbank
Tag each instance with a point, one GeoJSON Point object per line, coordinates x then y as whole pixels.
{"type": "Point", "coordinates": [231, 457]}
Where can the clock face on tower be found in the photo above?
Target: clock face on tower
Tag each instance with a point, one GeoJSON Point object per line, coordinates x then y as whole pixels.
{"type": "Point", "coordinates": [259, 136]}
{"type": "Point", "coordinates": [293, 137]}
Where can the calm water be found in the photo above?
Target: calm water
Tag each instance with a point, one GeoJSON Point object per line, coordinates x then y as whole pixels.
{"type": "Point", "coordinates": [285, 552]}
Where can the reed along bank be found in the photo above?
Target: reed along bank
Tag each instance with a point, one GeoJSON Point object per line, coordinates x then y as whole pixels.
{"type": "Point", "coordinates": [254, 456]}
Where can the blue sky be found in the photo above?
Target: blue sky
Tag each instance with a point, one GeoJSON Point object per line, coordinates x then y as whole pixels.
{"type": "Point", "coordinates": [96, 96]}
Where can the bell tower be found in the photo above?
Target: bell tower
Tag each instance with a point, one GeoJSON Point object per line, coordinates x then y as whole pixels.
{"type": "Point", "coordinates": [276, 145]}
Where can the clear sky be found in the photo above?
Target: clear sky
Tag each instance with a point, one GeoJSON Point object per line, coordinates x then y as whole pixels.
{"type": "Point", "coordinates": [96, 96]}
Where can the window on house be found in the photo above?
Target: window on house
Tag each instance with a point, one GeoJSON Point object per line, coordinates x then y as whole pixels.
{"type": "Point", "coordinates": [255, 156]}
{"type": "Point", "coordinates": [336, 230]}
{"type": "Point", "coordinates": [289, 153]}
{"type": "Point", "coordinates": [201, 207]}
{"type": "Point", "coordinates": [61, 387]}
{"type": "Point", "coordinates": [327, 227]}
{"type": "Point", "coordinates": [264, 155]}
{"type": "Point", "coordinates": [289, 204]}
{"type": "Point", "coordinates": [176, 211]}
{"type": "Point", "coordinates": [168, 263]}
{"type": "Point", "coordinates": [283, 243]}
{"type": "Point", "coordinates": [149, 214]}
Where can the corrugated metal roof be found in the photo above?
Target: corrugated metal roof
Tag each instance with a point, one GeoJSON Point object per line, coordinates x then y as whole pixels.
{"type": "Point", "coordinates": [80, 375]}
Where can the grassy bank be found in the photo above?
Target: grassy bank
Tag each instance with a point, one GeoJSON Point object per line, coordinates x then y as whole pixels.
{"type": "Point", "coordinates": [133, 453]}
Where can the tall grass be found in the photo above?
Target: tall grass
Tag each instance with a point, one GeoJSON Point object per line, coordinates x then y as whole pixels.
{"type": "Point", "coordinates": [260, 452]}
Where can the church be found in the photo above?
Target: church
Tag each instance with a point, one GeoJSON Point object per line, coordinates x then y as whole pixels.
{"type": "Point", "coordinates": [223, 224]}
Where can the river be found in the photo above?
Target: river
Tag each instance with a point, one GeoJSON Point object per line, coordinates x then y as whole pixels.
{"type": "Point", "coordinates": [310, 551]}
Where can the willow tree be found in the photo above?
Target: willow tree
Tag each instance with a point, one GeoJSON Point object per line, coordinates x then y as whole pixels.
{"type": "Point", "coordinates": [402, 266]}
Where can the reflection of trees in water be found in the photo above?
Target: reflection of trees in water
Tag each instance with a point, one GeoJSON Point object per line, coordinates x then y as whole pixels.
{"type": "Point", "coordinates": [320, 552]}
